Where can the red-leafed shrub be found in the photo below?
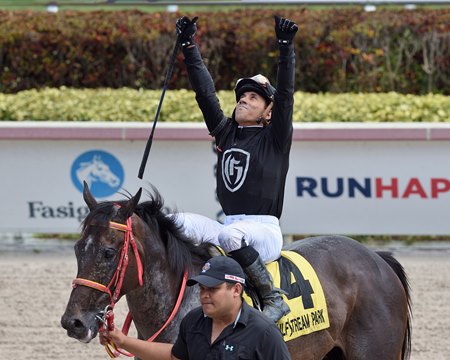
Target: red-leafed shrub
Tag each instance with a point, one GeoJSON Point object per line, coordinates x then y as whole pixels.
{"type": "Point", "coordinates": [342, 50]}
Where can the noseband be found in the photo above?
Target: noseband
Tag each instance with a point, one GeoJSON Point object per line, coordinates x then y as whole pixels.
{"type": "Point", "coordinates": [117, 279]}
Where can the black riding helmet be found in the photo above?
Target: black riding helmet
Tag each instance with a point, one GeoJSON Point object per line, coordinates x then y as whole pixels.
{"type": "Point", "coordinates": [258, 83]}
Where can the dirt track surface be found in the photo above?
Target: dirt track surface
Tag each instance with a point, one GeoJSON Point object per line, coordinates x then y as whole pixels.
{"type": "Point", "coordinates": [35, 286]}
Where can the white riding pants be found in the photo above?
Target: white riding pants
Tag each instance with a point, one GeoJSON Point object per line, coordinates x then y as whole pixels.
{"type": "Point", "coordinates": [263, 232]}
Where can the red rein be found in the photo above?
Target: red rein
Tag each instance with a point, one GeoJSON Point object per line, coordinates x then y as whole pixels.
{"type": "Point", "coordinates": [116, 284]}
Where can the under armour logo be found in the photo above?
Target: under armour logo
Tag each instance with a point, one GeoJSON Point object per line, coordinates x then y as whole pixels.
{"type": "Point", "coordinates": [229, 348]}
{"type": "Point", "coordinates": [235, 164]}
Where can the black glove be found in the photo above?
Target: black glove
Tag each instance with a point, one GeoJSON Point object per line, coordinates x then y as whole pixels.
{"type": "Point", "coordinates": [285, 30]}
{"type": "Point", "coordinates": [186, 29]}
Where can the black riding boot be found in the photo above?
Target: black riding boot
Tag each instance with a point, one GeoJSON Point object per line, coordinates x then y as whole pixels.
{"type": "Point", "coordinates": [274, 306]}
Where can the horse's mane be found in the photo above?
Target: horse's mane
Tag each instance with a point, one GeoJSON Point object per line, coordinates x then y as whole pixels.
{"type": "Point", "coordinates": [182, 252]}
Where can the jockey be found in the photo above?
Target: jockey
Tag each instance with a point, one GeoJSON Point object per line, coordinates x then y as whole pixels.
{"type": "Point", "coordinates": [253, 148]}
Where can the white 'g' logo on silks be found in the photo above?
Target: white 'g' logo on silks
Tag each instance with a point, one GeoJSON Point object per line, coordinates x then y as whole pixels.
{"type": "Point", "coordinates": [235, 164]}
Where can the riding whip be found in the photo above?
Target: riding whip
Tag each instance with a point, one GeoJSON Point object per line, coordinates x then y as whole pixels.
{"type": "Point", "coordinates": [150, 138]}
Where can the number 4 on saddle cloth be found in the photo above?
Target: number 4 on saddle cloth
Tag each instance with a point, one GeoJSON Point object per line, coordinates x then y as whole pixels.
{"type": "Point", "coordinates": [293, 274]}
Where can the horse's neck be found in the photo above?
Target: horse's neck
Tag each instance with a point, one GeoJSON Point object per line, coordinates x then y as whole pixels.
{"type": "Point", "coordinates": [152, 304]}
{"type": "Point", "coordinates": [149, 319]}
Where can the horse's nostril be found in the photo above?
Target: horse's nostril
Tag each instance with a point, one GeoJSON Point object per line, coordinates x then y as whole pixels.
{"type": "Point", "coordinates": [76, 323]}
{"type": "Point", "coordinates": [76, 328]}
{"type": "Point", "coordinates": [73, 325]}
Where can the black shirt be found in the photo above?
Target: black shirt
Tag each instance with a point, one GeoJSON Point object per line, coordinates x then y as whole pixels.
{"type": "Point", "coordinates": [252, 162]}
{"type": "Point", "coordinates": [252, 336]}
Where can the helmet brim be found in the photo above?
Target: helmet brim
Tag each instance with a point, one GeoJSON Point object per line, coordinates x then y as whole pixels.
{"type": "Point", "coordinates": [245, 85]}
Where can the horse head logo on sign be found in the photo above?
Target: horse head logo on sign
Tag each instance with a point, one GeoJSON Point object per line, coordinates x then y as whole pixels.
{"type": "Point", "coordinates": [101, 170]}
{"type": "Point", "coordinates": [234, 168]}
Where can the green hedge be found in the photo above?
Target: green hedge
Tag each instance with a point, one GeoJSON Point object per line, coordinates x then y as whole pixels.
{"type": "Point", "coordinates": [339, 50]}
{"type": "Point", "coordinates": [179, 105]}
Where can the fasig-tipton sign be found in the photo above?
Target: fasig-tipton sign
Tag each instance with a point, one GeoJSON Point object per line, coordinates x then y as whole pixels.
{"type": "Point", "coordinates": [351, 179]}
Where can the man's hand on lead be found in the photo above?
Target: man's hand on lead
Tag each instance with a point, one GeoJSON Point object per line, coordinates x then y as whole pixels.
{"type": "Point", "coordinates": [186, 29]}
{"type": "Point", "coordinates": [285, 30]}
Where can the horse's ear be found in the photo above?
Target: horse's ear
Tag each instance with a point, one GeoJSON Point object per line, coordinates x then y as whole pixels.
{"type": "Point", "coordinates": [88, 198]}
{"type": "Point", "coordinates": [128, 209]}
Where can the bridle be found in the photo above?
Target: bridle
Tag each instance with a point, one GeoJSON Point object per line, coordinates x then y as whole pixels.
{"type": "Point", "coordinates": [116, 284]}
{"type": "Point", "coordinates": [117, 279]}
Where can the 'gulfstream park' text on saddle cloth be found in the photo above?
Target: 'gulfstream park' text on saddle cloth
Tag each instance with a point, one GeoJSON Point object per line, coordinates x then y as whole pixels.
{"type": "Point", "coordinates": [295, 275]}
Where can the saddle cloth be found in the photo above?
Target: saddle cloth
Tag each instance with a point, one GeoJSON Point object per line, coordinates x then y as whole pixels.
{"type": "Point", "coordinates": [294, 274]}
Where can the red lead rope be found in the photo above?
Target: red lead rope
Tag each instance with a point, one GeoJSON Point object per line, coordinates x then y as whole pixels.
{"type": "Point", "coordinates": [117, 281]}
{"type": "Point", "coordinates": [112, 349]}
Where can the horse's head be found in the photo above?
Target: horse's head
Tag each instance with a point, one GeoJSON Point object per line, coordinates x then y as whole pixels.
{"type": "Point", "coordinates": [104, 248]}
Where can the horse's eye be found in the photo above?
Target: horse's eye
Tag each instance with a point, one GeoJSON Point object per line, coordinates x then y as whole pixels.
{"type": "Point", "coordinates": [109, 253]}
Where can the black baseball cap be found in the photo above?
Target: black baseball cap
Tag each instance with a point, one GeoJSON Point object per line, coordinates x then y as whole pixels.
{"type": "Point", "coordinates": [218, 270]}
{"type": "Point", "coordinates": [258, 83]}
